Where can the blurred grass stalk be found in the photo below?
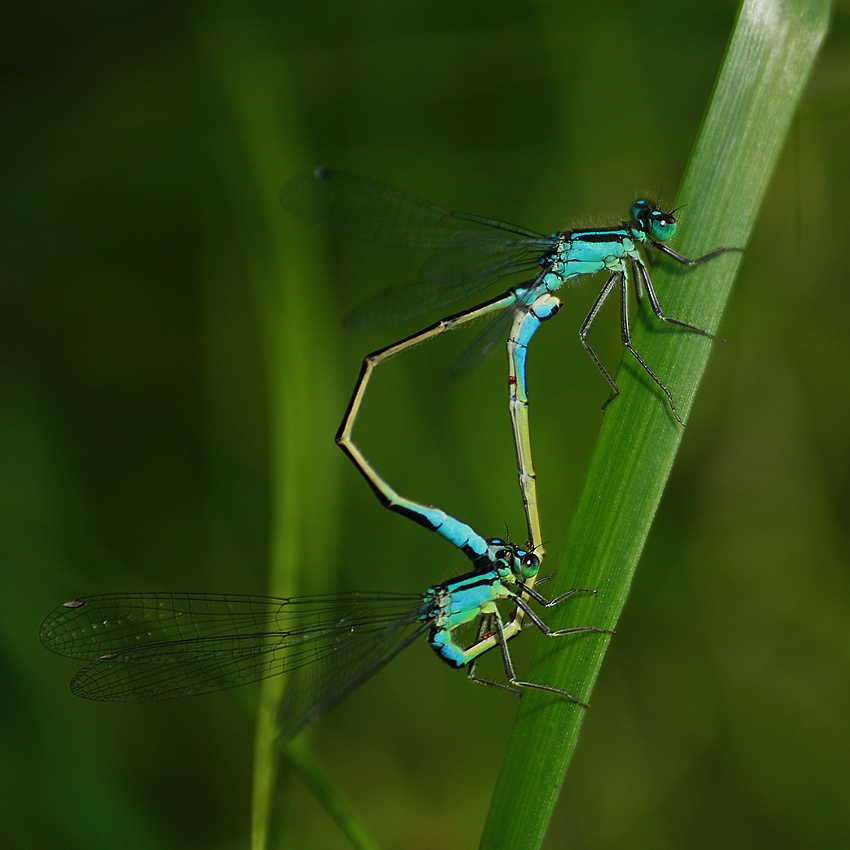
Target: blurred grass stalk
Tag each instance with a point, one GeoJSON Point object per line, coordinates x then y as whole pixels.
{"type": "Point", "coordinates": [299, 358]}
{"type": "Point", "coordinates": [770, 55]}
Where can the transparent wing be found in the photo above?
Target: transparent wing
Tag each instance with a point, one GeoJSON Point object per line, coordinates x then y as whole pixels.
{"type": "Point", "coordinates": [315, 689]}
{"type": "Point", "coordinates": [359, 208]}
{"type": "Point", "coordinates": [469, 253]}
{"type": "Point", "coordinates": [495, 331]}
{"type": "Point", "coordinates": [160, 646]}
{"type": "Point", "coordinates": [412, 299]}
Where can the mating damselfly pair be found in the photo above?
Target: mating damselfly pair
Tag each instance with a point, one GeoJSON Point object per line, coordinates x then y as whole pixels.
{"type": "Point", "coordinates": [142, 647]}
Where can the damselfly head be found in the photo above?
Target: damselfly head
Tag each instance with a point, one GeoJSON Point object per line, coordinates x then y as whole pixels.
{"type": "Point", "coordinates": [527, 565]}
{"type": "Point", "coordinates": [650, 219]}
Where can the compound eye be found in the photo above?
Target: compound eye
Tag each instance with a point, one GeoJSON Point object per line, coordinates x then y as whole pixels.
{"type": "Point", "coordinates": [662, 226]}
{"type": "Point", "coordinates": [639, 209]}
{"type": "Point", "coordinates": [529, 566]}
{"type": "Point", "coordinates": [503, 554]}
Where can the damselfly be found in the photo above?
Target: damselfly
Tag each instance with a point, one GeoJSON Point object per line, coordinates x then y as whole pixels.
{"type": "Point", "coordinates": [468, 253]}
{"type": "Point", "coordinates": [143, 647]}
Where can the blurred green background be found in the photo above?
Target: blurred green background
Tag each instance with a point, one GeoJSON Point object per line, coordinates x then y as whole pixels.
{"type": "Point", "coordinates": [150, 289]}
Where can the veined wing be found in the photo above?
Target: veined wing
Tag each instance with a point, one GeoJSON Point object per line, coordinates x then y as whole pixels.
{"type": "Point", "coordinates": [356, 207]}
{"type": "Point", "coordinates": [159, 646]}
{"type": "Point", "coordinates": [495, 332]}
{"type": "Point", "coordinates": [468, 252]}
{"type": "Point", "coordinates": [314, 689]}
{"type": "Point", "coordinates": [412, 299]}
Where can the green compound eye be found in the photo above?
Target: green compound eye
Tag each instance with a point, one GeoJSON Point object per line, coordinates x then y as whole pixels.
{"type": "Point", "coordinates": [662, 225]}
{"type": "Point", "coordinates": [529, 566]}
{"type": "Point", "coordinates": [654, 222]}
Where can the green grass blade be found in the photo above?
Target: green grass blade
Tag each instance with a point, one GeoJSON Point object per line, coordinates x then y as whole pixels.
{"type": "Point", "coordinates": [332, 801]}
{"type": "Point", "coordinates": [301, 385]}
{"type": "Point", "coordinates": [767, 64]}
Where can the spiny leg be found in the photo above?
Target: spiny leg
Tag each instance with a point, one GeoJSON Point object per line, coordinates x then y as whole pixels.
{"type": "Point", "coordinates": [511, 674]}
{"type": "Point", "coordinates": [643, 280]}
{"type": "Point", "coordinates": [493, 631]}
{"type": "Point", "coordinates": [488, 683]}
{"type": "Point", "coordinates": [679, 258]}
{"type": "Point", "coordinates": [585, 328]}
{"type": "Point", "coordinates": [547, 630]}
{"type": "Point", "coordinates": [626, 334]}
{"type": "Point", "coordinates": [540, 599]}
{"type": "Point", "coordinates": [485, 639]}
